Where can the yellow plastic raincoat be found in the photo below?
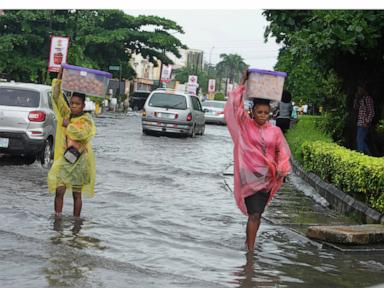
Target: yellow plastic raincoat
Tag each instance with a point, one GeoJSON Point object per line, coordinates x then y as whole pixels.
{"type": "Point", "coordinates": [81, 129]}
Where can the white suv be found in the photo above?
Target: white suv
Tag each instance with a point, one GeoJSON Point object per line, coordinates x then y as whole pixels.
{"type": "Point", "coordinates": [169, 111]}
{"type": "Point", "coordinates": [27, 122]}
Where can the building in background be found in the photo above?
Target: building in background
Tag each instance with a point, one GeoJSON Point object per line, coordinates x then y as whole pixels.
{"type": "Point", "coordinates": [195, 59]}
{"type": "Point", "coordinates": [148, 76]}
{"type": "Point", "coordinates": [145, 73]}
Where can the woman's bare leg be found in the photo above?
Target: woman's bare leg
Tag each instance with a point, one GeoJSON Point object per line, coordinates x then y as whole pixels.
{"type": "Point", "coordinates": [59, 199]}
{"type": "Point", "coordinates": [252, 228]}
{"type": "Point", "coordinates": [77, 203]}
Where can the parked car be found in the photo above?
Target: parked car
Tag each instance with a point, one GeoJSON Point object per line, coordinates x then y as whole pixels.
{"type": "Point", "coordinates": [214, 111]}
{"type": "Point", "coordinates": [27, 122]}
{"type": "Point", "coordinates": [137, 100]}
{"type": "Point", "coordinates": [169, 111]}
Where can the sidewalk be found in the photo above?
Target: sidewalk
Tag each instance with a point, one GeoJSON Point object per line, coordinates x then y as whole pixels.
{"type": "Point", "coordinates": [296, 211]}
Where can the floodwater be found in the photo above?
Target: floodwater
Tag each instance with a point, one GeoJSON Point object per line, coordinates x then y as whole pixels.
{"type": "Point", "coordinates": [162, 216]}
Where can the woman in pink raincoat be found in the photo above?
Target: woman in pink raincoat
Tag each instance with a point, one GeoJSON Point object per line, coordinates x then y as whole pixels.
{"type": "Point", "coordinates": [261, 158]}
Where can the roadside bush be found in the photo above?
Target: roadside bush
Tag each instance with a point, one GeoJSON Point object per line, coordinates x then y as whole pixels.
{"type": "Point", "coordinates": [306, 129]}
{"type": "Point", "coordinates": [380, 126]}
{"type": "Point", "coordinates": [219, 96]}
{"type": "Point", "coordinates": [96, 99]}
{"type": "Point", "coordinates": [333, 124]}
{"type": "Point", "coordinates": [352, 172]}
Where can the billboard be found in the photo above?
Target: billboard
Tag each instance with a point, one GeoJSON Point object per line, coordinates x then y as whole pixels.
{"type": "Point", "coordinates": [58, 53]}
{"type": "Point", "coordinates": [192, 84]}
{"type": "Point", "coordinates": [211, 85]}
{"type": "Point", "coordinates": [166, 72]}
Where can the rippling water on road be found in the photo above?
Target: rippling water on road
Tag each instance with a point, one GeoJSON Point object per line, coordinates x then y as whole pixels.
{"type": "Point", "coordinates": [161, 216]}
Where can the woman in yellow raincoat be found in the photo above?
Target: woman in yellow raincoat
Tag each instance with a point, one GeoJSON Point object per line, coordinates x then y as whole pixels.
{"type": "Point", "coordinates": [73, 168]}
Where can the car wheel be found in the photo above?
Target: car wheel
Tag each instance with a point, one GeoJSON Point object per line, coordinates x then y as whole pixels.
{"type": "Point", "coordinates": [202, 130]}
{"type": "Point", "coordinates": [193, 133]}
{"type": "Point", "coordinates": [46, 156]}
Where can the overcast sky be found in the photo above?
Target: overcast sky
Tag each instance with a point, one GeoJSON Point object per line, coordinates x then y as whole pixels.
{"type": "Point", "coordinates": [223, 31]}
{"type": "Point", "coordinates": [238, 27]}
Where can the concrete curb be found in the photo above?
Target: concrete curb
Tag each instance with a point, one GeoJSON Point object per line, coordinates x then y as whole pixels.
{"type": "Point", "coordinates": [348, 234]}
{"type": "Point", "coordinates": [341, 201]}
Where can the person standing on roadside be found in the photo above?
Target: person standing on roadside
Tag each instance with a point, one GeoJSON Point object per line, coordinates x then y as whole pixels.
{"type": "Point", "coordinates": [261, 157]}
{"type": "Point", "coordinates": [283, 120]}
{"type": "Point", "coordinates": [73, 168]}
{"type": "Point", "coordinates": [363, 105]}
{"type": "Point", "coordinates": [126, 105]}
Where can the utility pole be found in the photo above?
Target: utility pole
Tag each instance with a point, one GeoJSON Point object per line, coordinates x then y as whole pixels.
{"type": "Point", "coordinates": [161, 70]}
{"type": "Point", "coordinates": [120, 67]}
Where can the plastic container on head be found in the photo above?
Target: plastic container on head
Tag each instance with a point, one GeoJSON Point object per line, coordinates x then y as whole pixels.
{"type": "Point", "coordinates": [84, 80]}
{"type": "Point", "coordinates": [265, 84]}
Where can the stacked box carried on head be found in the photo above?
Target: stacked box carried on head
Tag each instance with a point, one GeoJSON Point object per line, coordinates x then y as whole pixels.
{"type": "Point", "coordinates": [265, 84]}
{"type": "Point", "coordinates": [84, 80]}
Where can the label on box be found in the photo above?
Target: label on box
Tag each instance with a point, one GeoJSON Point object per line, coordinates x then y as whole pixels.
{"type": "Point", "coordinates": [83, 73]}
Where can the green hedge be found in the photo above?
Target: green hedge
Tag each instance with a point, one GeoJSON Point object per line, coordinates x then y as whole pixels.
{"type": "Point", "coordinates": [352, 172]}
{"type": "Point", "coordinates": [219, 96]}
{"type": "Point", "coordinates": [305, 130]}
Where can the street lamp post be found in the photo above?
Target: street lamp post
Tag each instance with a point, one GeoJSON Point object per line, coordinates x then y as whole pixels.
{"type": "Point", "coordinates": [210, 55]}
{"type": "Point", "coordinates": [209, 63]}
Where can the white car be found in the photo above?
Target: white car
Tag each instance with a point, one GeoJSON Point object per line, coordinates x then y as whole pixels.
{"type": "Point", "coordinates": [170, 111]}
{"type": "Point", "coordinates": [27, 122]}
{"type": "Point", "coordinates": [214, 111]}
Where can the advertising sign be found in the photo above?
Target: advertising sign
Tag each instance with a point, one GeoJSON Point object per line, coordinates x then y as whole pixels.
{"type": "Point", "coordinates": [166, 72]}
{"type": "Point", "coordinates": [211, 85]}
{"type": "Point", "coordinates": [192, 84]}
{"type": "Point", "coordinates": [192, 79]}
{"type": "Point", "coordinates": [58, 53]}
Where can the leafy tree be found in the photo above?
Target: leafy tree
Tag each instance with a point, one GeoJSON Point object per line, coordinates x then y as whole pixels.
{"type": "Point", "coordinates": [98, 38]}
{"type": "Point", "coordinates": [328, 53]}
{"type": "Point", "coordinates": [182, 74]}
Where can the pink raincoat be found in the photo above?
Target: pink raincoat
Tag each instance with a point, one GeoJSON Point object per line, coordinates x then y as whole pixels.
{"type": "Point", "coordinates": [261, 154]}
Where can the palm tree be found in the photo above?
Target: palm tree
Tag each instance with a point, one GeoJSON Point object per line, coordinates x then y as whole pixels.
{"type": "Point", "coordinates": [231, 66]}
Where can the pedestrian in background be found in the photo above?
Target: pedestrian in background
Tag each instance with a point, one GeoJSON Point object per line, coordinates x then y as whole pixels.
{"type": "Point", "coordinates": [126, 105]}
{"type": "Point", "coordinates": [285, 107]}
{"type": "Point", "coordinates": [364, 107]}
{"type": "Point", "coordinates": [261, 157]}
{"type": "Point", "coordinates": [73, 168]}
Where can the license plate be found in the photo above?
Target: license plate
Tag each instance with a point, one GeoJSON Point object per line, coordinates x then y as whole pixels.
{"type": "Point", "coordinates": [166, 115]}
{"type": "Point", "coordinates": [4, 142]}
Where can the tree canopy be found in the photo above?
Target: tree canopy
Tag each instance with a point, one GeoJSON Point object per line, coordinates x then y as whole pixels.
{"type": "Point", "coordinates": [98, 39]}
{"type": "Point", "coordinates": [231, 66]}
{"type": "Point", "coordinates": [328, 53]}
{"type": "Point", "coordinates": [183, 73]}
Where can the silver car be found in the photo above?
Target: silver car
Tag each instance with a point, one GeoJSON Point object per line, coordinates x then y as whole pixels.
{"type": "Point", "coordinates": [27, 122]}
{"type": "Point", "coordinates": [170, 111]}
{"type": "Point", "coordinates": [214, 111]}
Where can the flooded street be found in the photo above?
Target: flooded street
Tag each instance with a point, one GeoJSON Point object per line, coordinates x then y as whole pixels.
{"type": "Point", "coordinates": [162, 216]}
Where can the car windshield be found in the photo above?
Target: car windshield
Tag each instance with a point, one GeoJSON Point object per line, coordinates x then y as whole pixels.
{"type": "Point", "coordinates": [19, 97]}
{"type": "Point", "coordinates": [214, 104]}
{"type": "Point", "coordinates": [170, 101]}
